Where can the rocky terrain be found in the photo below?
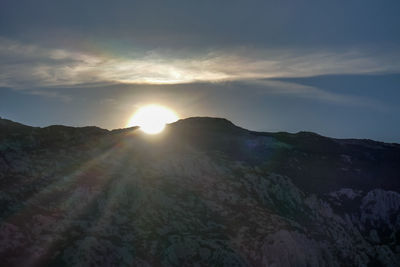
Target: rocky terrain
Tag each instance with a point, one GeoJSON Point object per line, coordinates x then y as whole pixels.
{"type": "Point", "coordinates": [203, 193]}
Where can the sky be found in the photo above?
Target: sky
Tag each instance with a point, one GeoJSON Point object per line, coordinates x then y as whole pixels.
{"type": "Point", "coordinates": [330, 67]}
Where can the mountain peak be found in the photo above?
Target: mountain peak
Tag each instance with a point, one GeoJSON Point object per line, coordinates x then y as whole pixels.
{"type": "Point", "coordinates": [209, 124]}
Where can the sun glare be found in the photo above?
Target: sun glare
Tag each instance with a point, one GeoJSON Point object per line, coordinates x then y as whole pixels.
{"type": "Point", "coordinates": [152, 118]}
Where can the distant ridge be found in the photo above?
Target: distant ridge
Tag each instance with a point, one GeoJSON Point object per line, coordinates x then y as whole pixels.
{"type": "Point", "coordinates": [204, 123]}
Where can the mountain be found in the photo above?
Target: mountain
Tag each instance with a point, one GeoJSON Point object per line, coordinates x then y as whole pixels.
{"type": "Point", "coordinates": [203, 193]}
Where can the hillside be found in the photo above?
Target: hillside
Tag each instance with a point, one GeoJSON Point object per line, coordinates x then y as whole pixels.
{"type": "Point", "coordinates": [203, 193]}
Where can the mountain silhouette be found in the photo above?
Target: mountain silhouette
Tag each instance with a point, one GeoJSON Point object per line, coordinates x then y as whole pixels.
{"type": "Point", "coordinates": [204, 192]}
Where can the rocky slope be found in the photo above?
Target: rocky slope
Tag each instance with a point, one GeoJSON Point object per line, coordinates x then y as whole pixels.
{"type": "Point", "coordinates": [203, 193]}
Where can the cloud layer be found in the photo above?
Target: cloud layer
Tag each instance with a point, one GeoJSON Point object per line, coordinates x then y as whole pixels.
{"type": "Point", "coordinates": [25, 65]}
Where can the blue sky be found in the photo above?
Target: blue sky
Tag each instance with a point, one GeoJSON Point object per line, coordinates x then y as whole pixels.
{"type": "Point", "coordinates": [332, 67]}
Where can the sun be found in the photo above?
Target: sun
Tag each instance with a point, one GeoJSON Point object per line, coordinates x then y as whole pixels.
{"type": "Point", "coordinates": [152, 118]}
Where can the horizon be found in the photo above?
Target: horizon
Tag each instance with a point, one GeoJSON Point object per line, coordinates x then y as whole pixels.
{"type": "Point", "coordinates": [203, 117]}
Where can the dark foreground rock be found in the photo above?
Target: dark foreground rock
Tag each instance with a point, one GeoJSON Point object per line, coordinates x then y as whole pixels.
{"type": "Point", "coordinates": [203, 193]}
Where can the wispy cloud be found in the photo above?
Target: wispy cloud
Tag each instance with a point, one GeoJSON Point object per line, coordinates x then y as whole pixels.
{"type": "Point", "coordinates": [50, 94]}
{"type": "Point", "coordinates": [268, 86]}
{"type": "Point", "coordinates": [25, 65]}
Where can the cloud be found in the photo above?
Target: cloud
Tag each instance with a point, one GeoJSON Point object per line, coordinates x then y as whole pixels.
{"type": "Point", "coordinates": [51, 94]}
{"type": "Point", "coordinates": [27, 66]}
{"type": "Point", "coordinates": [304, 91]}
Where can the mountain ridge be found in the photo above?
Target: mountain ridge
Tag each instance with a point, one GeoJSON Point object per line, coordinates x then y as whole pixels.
{"type": "Point", "coordinates": [304, 150]}
{"type": "Point", "coordinates": [4, 122]}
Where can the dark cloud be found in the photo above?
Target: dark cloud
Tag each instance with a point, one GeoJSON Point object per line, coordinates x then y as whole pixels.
{"type": "Point", "coordinates": [205, 23]}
